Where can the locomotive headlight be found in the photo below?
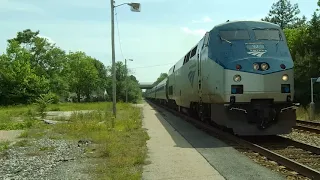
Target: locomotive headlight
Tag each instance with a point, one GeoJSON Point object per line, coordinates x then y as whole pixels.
{"type": "Point", "coordinates": [255, 66]}
{"type": "Point", "coordinates": [237, 78]}
{"type": "Point", "coordinates": [285, 77]}
{"type": "Point", "coordinates": [264, 66]}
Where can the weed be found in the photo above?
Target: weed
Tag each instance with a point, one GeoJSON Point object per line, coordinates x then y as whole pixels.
{"type": "Point", "coordinates": [31, 113]}
{"type": "Point", "coordinates": [122, 144]}
{"type": "Point", "coordinates": [4, 145]}
{"type": "Point", "coordinates": [22, 143]}
{"type": "Point", "coordinates": [24, 134]}
{"type": "Point", "coordinates": [55, 109]}
{"type": "Point", "coordinates": [51, 148]}
{"type": "Point", "coordinates": [42, 104]}
{"type": "Point", "coordinates": [303, 113]}
{"type": "Point", "coordinates": [118, 144]}
{"type": "Point", "coordinates": [33, 153]}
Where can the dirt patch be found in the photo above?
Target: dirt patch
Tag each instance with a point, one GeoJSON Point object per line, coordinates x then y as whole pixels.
{"type": "Point", "coordinates": [9, 135]}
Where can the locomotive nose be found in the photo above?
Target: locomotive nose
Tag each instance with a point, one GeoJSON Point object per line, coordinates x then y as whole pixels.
{"type": "Point", "coordinates": [259, 65]}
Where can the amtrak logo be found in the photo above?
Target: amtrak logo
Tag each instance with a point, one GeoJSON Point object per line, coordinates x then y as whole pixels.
{"type": "Point", "coordinates": [191, 77]}
{"type": "Point", "coordinates": [257, 52]}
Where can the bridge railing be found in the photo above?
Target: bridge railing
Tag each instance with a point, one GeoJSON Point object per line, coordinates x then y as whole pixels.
{"type": "Point", "coordinates": [144, 85]}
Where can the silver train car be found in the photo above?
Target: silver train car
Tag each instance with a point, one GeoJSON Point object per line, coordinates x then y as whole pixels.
{"type": "Point", "coordinates": [239, 76]}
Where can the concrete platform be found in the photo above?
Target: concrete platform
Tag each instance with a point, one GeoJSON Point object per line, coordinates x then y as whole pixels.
{"type": "Point", "coordinates": [178, 150]}
{"type": "Point", "coordinates": [168, 160]}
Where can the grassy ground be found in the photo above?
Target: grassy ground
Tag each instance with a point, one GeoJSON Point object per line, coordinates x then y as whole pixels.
{"type": "Point", "coordinates": [303, 114]}
{"type": "Point", "coordinates": [4, 145]}
{"type": "Point", "coordinates": [20, 117]}
{"type": "Point", "coordinates": [80, 106]}
{"type": "Point", "coordinates": [118, 145]}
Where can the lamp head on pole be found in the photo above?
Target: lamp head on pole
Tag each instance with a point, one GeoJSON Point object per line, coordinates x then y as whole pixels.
{"type": "Point", "coordinates": [135, 7]}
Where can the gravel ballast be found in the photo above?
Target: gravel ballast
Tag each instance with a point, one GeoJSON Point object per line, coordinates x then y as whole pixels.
{"type": "Point", "coordinates": [312, 139]}
{"type": "Point", "coordinates": [43, 159]}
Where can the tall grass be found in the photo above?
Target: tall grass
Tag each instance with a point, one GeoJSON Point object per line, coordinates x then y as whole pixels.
{"type": "Point", "coordinates": [120, 151]}
{"type": "Point", "coordinates": [304, 113]}
{"type": "Point", "coordinates": [80, 106]}
{"type": "Point", "coordinates": [22, 116]}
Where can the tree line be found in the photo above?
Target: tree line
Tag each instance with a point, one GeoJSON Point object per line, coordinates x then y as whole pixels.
{"type": "Point", "coordinates": [303, 38]}
{"type": "Point", "coordinates": [32, 67]}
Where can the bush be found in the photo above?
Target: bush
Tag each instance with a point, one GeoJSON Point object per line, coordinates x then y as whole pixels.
{"type": "Point", "coordinates": [55, 98]}
{"type": "Point", "coordinates": [42, 103]}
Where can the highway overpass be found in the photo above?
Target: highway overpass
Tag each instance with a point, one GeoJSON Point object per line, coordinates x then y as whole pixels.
{"type": "Point", "coordinates": [145, 85]}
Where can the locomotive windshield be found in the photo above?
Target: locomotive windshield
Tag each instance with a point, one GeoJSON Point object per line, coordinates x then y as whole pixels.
{"type": "Point", "coordinates": [234, 35]}
{"type": "Point", "coordinates": [267, 34]}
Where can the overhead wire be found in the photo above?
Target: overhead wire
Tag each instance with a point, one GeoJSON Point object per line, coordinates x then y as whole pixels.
{"type": "Point", "coordinates": [116, 14]}
{"type": "Point", "coordinates": [152, 66]}
{"type": "Point", "coordinates": [119, 38]}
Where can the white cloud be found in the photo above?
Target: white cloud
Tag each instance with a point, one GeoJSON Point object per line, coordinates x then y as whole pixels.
{"type": "Point", "coordinates": [47, 38]}
{"type": "Point", "coordinates": [205, 19]}
{"type": "Point", "coordinates": [196, 32]}
{"type": "Point", "coordinates": [6, 5]}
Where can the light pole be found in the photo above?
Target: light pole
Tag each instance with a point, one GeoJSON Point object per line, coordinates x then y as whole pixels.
{"type": "Point", "coordinates": [135, 7]}
{"type": "Point", "coordinates": [312, 104]}
{"type": "Point", "coordinates": [125, 64]}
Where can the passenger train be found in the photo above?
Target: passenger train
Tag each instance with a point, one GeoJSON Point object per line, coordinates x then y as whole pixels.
{"type": "Point", "coordinates": [239, 76]}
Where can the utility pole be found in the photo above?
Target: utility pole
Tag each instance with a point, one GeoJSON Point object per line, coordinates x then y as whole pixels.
{"type": "Point", "coordinates": [312, 104]}
{"type": "Point", "coordinates": [114, 90]}
{"type": "Point", "coordinates": [125, 64]}
{"type": "Point", "coordinates": [135, 7]}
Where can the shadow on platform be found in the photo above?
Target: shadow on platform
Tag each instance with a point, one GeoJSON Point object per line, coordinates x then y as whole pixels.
{"type": "Point", "coordinates": [177, 127]}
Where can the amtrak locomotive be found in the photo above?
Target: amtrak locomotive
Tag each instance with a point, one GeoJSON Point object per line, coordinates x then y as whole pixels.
{"type": "Point", "coordinates": [239, 76]}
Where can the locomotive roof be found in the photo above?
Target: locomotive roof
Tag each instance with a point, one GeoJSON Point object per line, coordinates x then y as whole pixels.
{"type": "Point", "coordinates": [245, 25]}
{"type": "Point", "coordinates": [234, 25]}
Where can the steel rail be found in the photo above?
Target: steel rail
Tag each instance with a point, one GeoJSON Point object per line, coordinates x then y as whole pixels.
{"type": "Point", "coordinates": [293, 165]}
{"type": "Point", "coordinates": [306, 126]}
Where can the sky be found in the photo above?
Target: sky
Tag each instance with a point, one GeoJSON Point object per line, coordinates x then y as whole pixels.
{"type": "Point", "coordinates": [155, 38]}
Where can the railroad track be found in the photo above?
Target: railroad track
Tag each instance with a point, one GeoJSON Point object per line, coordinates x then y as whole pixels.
{"type": "Point", "coordinates": [308, 126]}
{"type": "Point", "coordinates": [299, 157]}
{"type": "Point", "coordinates": [303, 158]}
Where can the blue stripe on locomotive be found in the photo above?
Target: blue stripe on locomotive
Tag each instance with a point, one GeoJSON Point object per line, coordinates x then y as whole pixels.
{"type": "Point", "coordinates": [229, 56]}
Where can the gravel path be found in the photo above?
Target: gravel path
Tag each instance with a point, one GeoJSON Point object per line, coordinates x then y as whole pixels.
{"type": "Point", "coordinates": [65, 114]}
{"type": "Point", "coordinates": [50, 159]}
{"type": "Point", "coordinates": [9, 135]}
{"type": "Point", "coordinates": [43, 159]}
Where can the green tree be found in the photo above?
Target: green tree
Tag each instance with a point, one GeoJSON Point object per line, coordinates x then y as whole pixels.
{"type": "Point", "coordinates": [83, 75]}
{"type": "Point", "coordinates": [284, 14]}
{"type": "Point", "coordinates": [101, 84]}
{"type": "Point", "coordinates": [133, 78]}
{"type": "Point", "coordinates": [304, 45]}
{"type": "Point", "coordinates": [25, 38]}
{"type": "Point", "coordinates": [19, 84]}
{"type": "Point", "coordinates": [32, 67]}
{"type": "Point", "coordinates": [160, 78]}
{"type": "Point", "coordinates": [314, 35]}
{"type": "Point", "coordinates": [134, 91]}
{"type": "Point", "coordinates": [46, 59]}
